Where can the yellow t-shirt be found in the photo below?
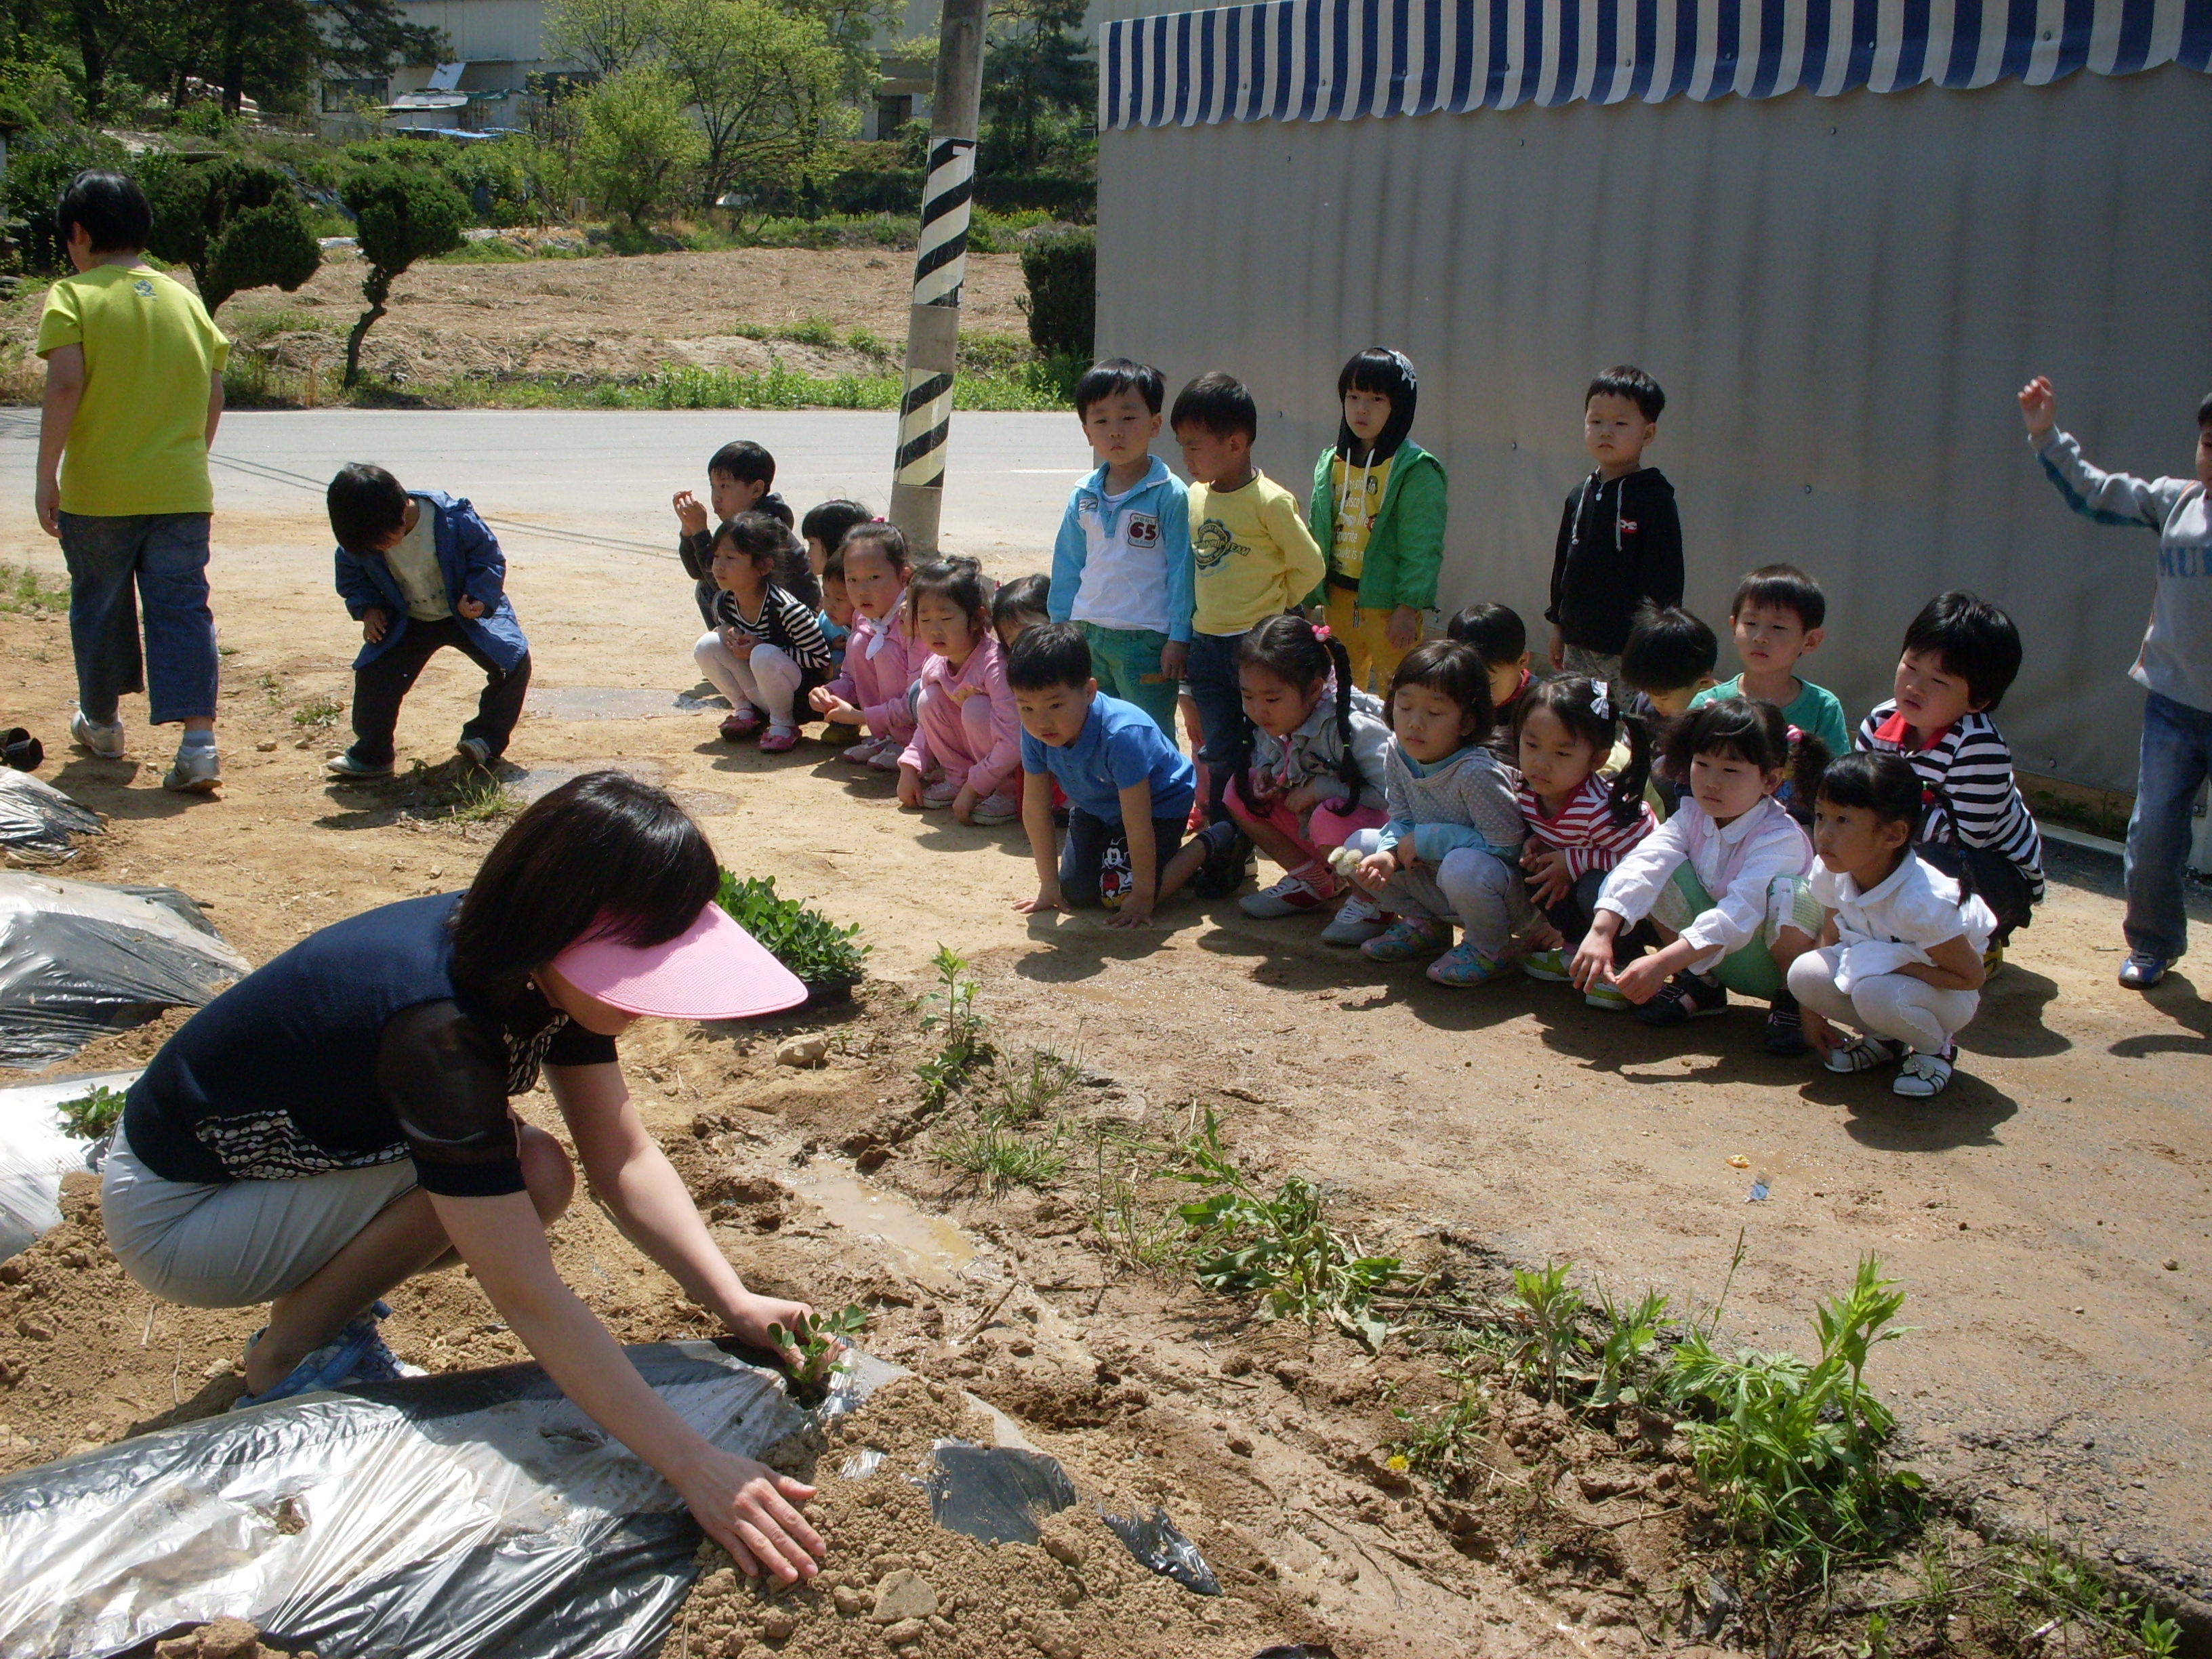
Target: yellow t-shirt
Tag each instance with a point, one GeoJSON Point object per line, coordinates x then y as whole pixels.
{"type": "Point", "coordinates": [139, 442]}
{"type": "Point", "coordinates": [1253, 553]}
{"type": "Point", "coordinates": [1359, 496]}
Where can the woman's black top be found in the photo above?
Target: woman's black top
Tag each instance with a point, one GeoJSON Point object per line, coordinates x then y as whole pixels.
{"type": "Point", "coordinates": [353, 1049]}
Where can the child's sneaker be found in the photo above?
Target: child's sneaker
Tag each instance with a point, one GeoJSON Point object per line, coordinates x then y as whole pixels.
{"type": "Point", "coordinates": [779, 739]}
{"type": "Point", "coordinates": [195, 771]}
{"type": "Point", "coordinates": [1463, 964]}
{"type": "Point", "coordinates": [940, 794]}
{"type": "Point", "coordinates": [864, 752]}
{"type": "Point", "coordinates": [741, 723]}
{"type": "Point", "coordinates": [1293, 896]}
{"type": "Point", "coordinates": [346, 765]}
{"type": "Point", "coordinates": [1785, 1028]}
{"type": "Point", "coordinates": [1603, 993]}
{"type": "Point", "coordinates": [996, 809]}
{"type": "Point", "coordinates": [1406, 938]}
{"type": "Point", "coordinates": [474, 753]}
{"type": "Point", "coordinates": [1686, 996]}
{"type": "Point", "coordinates": [886, 759]}
{"type": "Point", "coordinates": [1865, 1053]}
{"type": "Point", "coordinates": [1546, 967]}
{"type": "Point", "coordinates": [1923, 1076]}
{"type": "Point", "coordinates": [1357, 919]}
{"type": "Point", "coordinates": [104, 741]}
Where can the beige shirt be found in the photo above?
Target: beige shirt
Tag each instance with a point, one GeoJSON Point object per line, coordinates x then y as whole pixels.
{"type": "Point", "coordinates": [413, 561]}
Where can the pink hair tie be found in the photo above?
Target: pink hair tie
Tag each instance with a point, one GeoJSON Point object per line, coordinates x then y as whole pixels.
{"type": "Point", "coordinates": [1323, 632]}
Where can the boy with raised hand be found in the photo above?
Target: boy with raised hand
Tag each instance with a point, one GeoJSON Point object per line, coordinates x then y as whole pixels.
{"type": "Point", "coordinates": [1620, 539]}
{"type": "Point", "coordinates": [1120, 567]}
{"type": "Point", "coordinates": [1252, 558]}
{"type": "Point", "coordinates": [740, 478]}
{"type": "Point", "coordinates": [1779, 617]}
{"type": "Point", "coordinates": [2174, 668]}
{"type": "Point", "coordinates": [1128, 788]}
{"type": "Point", "coordinates": [134, 390]}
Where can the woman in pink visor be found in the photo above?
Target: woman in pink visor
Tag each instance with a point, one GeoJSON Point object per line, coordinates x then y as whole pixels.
{"type": "Point", "coordinates": [338, 1122]}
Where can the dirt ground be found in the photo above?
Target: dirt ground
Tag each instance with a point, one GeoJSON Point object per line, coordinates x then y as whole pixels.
{"type": "Point", "coordinates": [2050, 1216]}
{"type": "Point", "coordinates": [606, 317]}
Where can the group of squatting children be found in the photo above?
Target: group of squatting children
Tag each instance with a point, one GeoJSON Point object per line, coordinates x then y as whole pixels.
{"type": "Point", "coordinates": [1626, 825]}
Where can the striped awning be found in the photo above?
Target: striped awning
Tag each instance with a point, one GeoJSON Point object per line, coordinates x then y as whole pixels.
{"type": "Point", "coordinates": [1327, 60]}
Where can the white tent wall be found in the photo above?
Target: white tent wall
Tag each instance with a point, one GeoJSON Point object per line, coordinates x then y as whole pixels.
{"type": "Point", "coordinates": [1840, 297]}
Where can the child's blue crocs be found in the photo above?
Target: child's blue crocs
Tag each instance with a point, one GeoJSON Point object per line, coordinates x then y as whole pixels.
{"type": "Point", "coordinates": [1463, 964]}
{"type": "Point", "coordinates": [1406, 939]}
{"type": "Point", "coordinates": [337, 1362]}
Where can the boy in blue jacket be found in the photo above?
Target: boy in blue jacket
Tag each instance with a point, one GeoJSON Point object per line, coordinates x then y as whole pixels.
{"type": "Point", "coordinates": [1121, 567]}
{"type": "Point", "coordinates": [420, 571]}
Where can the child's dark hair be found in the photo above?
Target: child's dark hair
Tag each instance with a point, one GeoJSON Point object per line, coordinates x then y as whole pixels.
{"type": "Point", "coordinates": [1880, 783]}
{"type": "Point", "coordinates": [1496, 631]}
{"type": "Point", "coordinates": [746, 462]}
{"type": "Point", "coordinates": [1783, 587]}
{"type": "Point", "coordinates": [958, 578]}
{"type": "Point", "coordinates": [833, 567]}
{"type": "Point", "coordinates": [762, 538]}
{"type": "Point", "coordinates": [1025, 595]}
{"type": "Point", "coordinates": [1626, 380]}
{"type": "Point", "coordinates": [1667, 649]}
{"type": "Point", "coordinates": [1575, 704]}
{"type": "Point", "coordinates": [111, 208]}
{"type": "Point", "coordinates": [888, 538]}
{"type": "Point", "coordinates": [367, 505]}
{"type": "Point", "coordinates": [1054, 654]}
{"type": "Point", "coordinates": [2204, 412]}
{"type": "Point", "coordinates": [1218, 403]}
{"type": "Point", "coordinates": [1113, 375]}
{"type": "Point", "coordinates": [1456, 671]}
{"type": "Point", "coordinates": [1976, 642]}
{"type": "Point", "coordinates": [1298, 654]}
{"type": "Point", "coordinates": [1748, 730]}
{"type": "Point", "coordinates": [1382, 372]}
{"type": "Point", "coordinates": [828, 521]}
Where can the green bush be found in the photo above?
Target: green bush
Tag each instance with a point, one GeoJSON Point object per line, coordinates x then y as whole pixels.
{"type": "Point", "coordinates": [1062, 273]}
{"type": "Point", "coordinates": [237, 222]}
{"type": "Point", "coordinates": [803, 940]}
{"type": "Point", "coordinates": [402, 214]}
{"type": "Point", "coordinates": [39, 169]}
{"type": "Point", "coordinates": [638, 149]}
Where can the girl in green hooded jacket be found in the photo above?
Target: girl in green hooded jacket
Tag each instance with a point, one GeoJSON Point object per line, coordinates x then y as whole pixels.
{"type": "Point", "coordinates": [1378, 513]}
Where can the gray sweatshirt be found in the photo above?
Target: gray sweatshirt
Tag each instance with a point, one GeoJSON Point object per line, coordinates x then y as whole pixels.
{"type": "Point", "coordinates": [1312, 752]}
{"type": "Point", "coordinates": [2176, 659]}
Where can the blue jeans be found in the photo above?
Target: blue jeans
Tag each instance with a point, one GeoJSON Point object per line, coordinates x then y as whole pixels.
{"type": "Point", "coordinates": [116, 565]}
{"type": "Point", "coordinates": [2177, 755]}
{"type": "Point", "coordinates": [1213, 687]}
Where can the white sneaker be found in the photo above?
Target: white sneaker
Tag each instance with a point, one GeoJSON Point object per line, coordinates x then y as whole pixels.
{"type": "Point", "coordinates": [1293, 896]}
{"type": "Point", "coordinates": [104, 741]}
{"type": "Point", "coordinates": [1357, 919]}
{"type": "Point", "coordinates": [864, 752]}
{"type": "Point", "coordinates": [1922, 1076]}
{"type": "Point", "coordinates": [195, 771]}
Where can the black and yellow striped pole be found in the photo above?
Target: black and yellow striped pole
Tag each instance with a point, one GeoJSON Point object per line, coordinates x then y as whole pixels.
{"type": "Point", "coordinates": [940, 266]}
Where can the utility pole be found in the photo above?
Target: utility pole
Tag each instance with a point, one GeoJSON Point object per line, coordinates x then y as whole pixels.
{"type": "Point", "coordinates": [940, 266]}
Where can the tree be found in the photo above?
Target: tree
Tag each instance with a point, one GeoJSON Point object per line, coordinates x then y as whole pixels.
{"type": "Point", "coordinates": [238, 223]}
{"type": "Point", "coordinates": [1033, 67]}
{"type": "Point", "coordinates": [637, 146]}
{"type": "Point", "coordinates": [763, 85]}
{"type": "Point", "coordinates": [609, 36]}
{"type": "Point", "coordinates": [403, 214]}
{"type": "Point", "coordinates": [852, 27]}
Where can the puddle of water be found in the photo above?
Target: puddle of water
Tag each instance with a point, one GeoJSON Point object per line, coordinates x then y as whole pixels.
{"type": "Point", "coordinates": [543, 779]}
{"type": "Point", "coordinates": [929, 1247]}
{"type": "Point", "coordinates": [608, 702]}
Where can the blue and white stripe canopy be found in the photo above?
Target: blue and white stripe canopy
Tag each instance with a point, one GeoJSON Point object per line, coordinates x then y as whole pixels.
{"type": "Point", "coordinates": [1327, 60]}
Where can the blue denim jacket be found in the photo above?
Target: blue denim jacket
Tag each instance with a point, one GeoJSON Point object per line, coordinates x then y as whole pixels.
{"type": "Point", "coordinates": [469, 559]}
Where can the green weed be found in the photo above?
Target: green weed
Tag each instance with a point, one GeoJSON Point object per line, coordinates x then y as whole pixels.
{"type": "Point", "coordinates": [818, 1342]}
{"type": "Point", "coordinates": [318, 713]}
{"type": "Point", "coordinates": [1032, 1090]}
{"type": "Point", "coordinates": [867, 340]}
{"type": "Point", "coordinates": [800, 937]}
{"type": "Point", "coordinates": [1627, 1355]}
{"type": "Point", "coordinates": [1547, 1311]}
{"type": "Point", "coordinates": [964, 1049]}
{"type": "Point", "coordinates": [22, 588]}
{"type": "Point", "coordinates": [997, 1158]}
{"type": "Point", "coordinates": [92, 1114]}
{"type": "Point", "coordinates": [812, 330]}
{"type": "Point", "coordinates": [449, 795]}
{"type": "Point", "coordinates": [1280, 1246]}
{"type": "Point", "coordinates": [1136, 1231]}
{"type": "Point", "coordinates": [1446, 1447]}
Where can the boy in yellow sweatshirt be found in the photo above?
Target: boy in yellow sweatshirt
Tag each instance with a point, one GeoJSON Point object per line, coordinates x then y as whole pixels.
{"type": "Point", "coordinates": [1255, 558]}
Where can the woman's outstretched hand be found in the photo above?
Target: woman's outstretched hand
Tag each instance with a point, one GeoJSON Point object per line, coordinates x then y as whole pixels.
{"type": "Point", "coordinates": [752, 1512]}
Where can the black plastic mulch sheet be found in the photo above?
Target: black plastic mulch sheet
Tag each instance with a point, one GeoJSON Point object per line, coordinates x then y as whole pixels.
{"type": "Point", "coordinates": [37, 820]}
{"type": "Point", "coordinates": [444, 1517]}
{"type": "Point", "coordinates": [81, 959]}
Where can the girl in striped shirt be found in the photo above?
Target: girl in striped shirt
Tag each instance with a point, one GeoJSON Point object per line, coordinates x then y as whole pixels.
{"type": "Point", "coordinates": [1580, 821]}
{"type": "Point", "coordinates": [1961, 655]}
{"type": "Point", "coordinates": [765, 651]}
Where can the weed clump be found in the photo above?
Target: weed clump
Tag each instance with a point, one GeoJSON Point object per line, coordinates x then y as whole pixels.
{"type": "Point", "coordinates": [802, 938]}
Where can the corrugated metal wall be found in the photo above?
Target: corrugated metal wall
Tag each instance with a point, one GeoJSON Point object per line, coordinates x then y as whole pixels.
{"type": "Point", "coordinates": [1839, 295]}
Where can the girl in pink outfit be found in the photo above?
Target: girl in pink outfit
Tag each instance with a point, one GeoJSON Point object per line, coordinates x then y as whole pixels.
{"type": "Point", "coordinates": [967, 744]}
{"type": "Point", "coordinates": [876, 689]}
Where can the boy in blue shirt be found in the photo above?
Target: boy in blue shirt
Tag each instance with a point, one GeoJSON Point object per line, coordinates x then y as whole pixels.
{"type": "Point", "coordinates": [1121, 566]}
{"type": "Point", "coordinates": [1129, 789]}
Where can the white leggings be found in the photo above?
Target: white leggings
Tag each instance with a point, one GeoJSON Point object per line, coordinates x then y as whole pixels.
{"type": "Point", "coordinates": [767, 680]}
{"type": "Point", "coordinates": [1894, 1005]}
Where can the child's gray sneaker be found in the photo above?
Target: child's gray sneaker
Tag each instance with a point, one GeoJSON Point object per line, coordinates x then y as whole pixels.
{"type": "Point", "coordinates": [346, 766]}
{"type": "Point", "coordinates": [474, 752]}
{"type": "Point", "coordinates": [104, 741]}
{"type": "Point", "coordinates": [195, 771]}
{"type": "Point", "coordinates": [1357, 919]}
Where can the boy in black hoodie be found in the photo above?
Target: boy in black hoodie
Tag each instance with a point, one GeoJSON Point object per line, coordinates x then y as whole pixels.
{"type": "Point", "coordinates": [1620, 542]}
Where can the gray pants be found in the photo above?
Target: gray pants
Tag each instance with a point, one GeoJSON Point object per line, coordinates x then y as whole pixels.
{"type": "Point", "coordinates": [235, 1243]}
{"type": "Point", "coordinates": [1893, 1006]}
{"type": "Point", "coordinates": [1481, 892]}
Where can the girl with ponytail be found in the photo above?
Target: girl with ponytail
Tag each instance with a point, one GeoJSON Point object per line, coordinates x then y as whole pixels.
{"type": "Point", "coordinates": [1318, 755]}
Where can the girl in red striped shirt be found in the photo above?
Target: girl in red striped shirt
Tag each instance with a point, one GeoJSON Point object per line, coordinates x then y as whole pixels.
{"type": "Point", "coordinates": [1580, 821]}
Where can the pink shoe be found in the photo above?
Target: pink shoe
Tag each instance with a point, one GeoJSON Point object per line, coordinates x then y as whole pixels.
{"type": "Point", "coordinates": [940, 794]}
{"type": "Point", "coordinates": [741, 723]}
{"type": "Point", "coordinates": [994, 809]}
{"type": "Point", "coordinates": [780, 740]}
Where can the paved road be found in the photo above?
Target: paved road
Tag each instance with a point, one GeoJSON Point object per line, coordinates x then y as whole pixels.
{"type": "Point", "coordinates": [560, 475]}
